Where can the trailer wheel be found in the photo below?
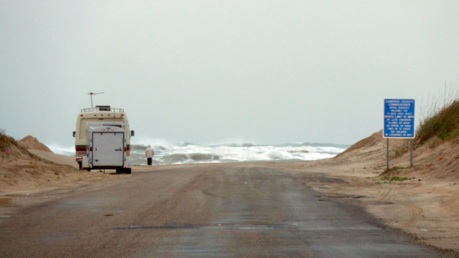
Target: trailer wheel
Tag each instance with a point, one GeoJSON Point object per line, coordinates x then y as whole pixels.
{"type": "Point", "coordinates": [80, 165]}
{"type": "Point", "coordinates": [127, 170]}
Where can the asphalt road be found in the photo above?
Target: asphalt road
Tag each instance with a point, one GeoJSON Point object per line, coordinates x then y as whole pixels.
{"type": "Point", "coordinates": [230, 210]}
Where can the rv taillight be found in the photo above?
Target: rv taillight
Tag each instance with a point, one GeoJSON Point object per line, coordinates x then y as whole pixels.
{"type": "Point", "coordinates": [90, 148]}
{"type": "Point", "coordinates": [80, 148]}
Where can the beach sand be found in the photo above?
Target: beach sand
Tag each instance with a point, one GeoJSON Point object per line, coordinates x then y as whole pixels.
{"type": "Point", "coordinates": [422, 200]}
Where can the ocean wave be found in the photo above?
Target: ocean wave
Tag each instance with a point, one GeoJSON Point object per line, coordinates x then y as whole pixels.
{"type": "Point", "coordinates": [188, 153]}
{"type": "Point", "coordinates": [192, 153]}
{"type": "Point", "coordinates": [180, 158]}
{"type": "Point", "coordinates": [57, 149]}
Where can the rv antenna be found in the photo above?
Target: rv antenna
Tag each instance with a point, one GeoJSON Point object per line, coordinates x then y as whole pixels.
{"type": "Point", "coordinates": [93, 93]}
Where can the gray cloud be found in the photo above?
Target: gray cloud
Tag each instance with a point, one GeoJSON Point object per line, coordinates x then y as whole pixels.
{"type": "Point", "coordinates": [210, 71]}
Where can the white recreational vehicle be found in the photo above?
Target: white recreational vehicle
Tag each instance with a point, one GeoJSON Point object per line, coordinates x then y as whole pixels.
{"type": "Point", "coordinates": [102, 139]}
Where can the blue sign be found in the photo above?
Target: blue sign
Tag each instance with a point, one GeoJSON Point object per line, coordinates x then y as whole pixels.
{"type": "Point", "coordinates": [399, 118]}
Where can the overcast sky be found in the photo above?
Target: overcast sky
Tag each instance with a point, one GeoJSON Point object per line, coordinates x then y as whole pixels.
{"type": "Point", "coordinates": [207, 72]}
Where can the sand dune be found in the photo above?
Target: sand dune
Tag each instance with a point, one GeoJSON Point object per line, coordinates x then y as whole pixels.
{"type": "Point", "coordinates": [31, 143]}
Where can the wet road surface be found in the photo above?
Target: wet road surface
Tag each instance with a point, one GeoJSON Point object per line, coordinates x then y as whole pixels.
{"type": "Point", "coordinates": [214, 210]}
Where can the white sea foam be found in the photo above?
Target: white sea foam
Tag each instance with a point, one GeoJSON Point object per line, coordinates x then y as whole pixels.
{"type": "Point", "coordinates": [187, 153]}
{"type": "Point", "coordinates": [67, 151]}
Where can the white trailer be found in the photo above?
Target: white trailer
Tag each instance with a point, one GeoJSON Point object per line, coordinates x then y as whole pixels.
{"type": "Point", "coordinates": [102, 139]}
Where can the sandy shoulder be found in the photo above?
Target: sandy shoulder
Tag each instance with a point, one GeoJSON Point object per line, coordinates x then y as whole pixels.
{"type": "Point", "coordinates": [422, 206]}
{"type": "Point", "coordinates": [55, 158]}
{"type": "Point", "coordinates": [46, 171]}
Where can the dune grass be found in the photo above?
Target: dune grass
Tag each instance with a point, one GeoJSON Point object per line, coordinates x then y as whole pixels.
{"type": "Point", "coordinates": [5, 141]}
{"type": "Point", "coordinates": [442, 124]}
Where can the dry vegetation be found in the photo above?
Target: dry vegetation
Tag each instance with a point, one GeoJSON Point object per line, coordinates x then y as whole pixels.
{"type": "Point", "coordinates": [442, 122]}
{"type": "Point", "coordinates": [10, 147]}
{"type": "Point", "coordinates": [443, 125]}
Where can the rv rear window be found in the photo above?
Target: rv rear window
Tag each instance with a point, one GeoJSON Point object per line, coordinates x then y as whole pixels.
{"type": "Point", "coordinates": [118, 125]}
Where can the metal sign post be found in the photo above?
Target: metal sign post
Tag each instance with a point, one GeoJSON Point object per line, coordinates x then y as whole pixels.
{"type": "Point", "coordinates": [399, 122]}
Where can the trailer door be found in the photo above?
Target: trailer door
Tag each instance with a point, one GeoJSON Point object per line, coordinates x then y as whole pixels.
{"type": "Point", "coordinates": [108, 149]}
